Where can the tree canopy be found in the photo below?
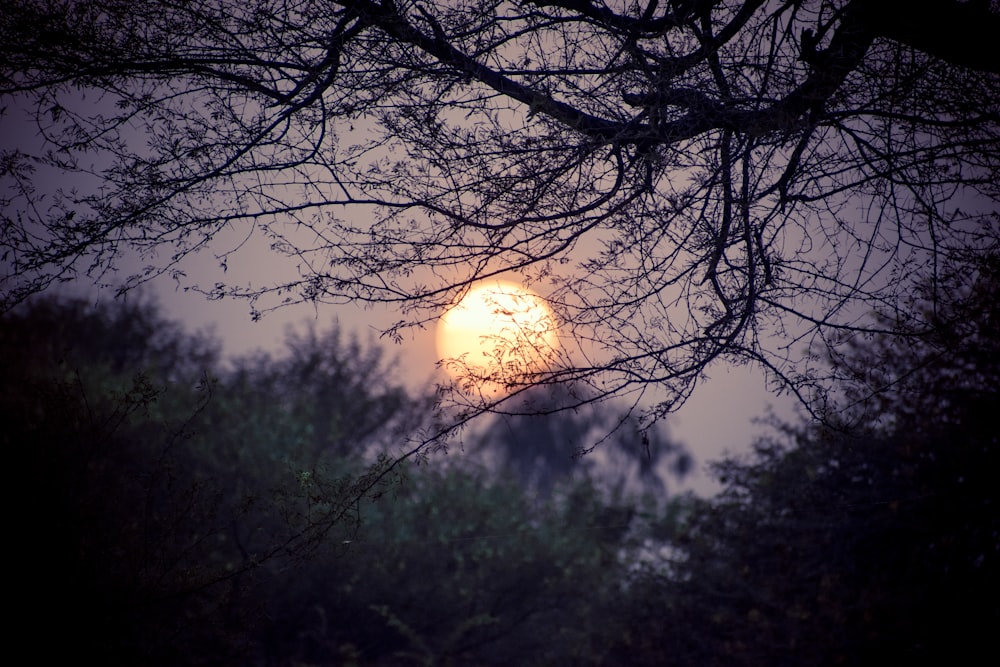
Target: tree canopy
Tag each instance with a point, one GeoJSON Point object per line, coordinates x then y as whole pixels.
{"type": "Point", "coordinates": [247, 519]}
{"type": "Point", "coordinates": [685, 180]}
{"type": "Point", "coordinates": [166, 520]}
{"type": "Point", "coordinates": [862, 542]}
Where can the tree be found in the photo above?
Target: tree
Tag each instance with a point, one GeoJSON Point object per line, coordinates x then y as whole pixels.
{"type": "Point", "coordinates": [460, 567]}
{"type": "Point", "coordinates": [340, 394]}
{"type": "Point", "coordinates": [860, 541]}
{"type": "Point", "coordinates": [162, 490]}
{"type": "Point", "coordinates": [689, 180]}
{"type": "Point", "coordinates": [164, 524]}
{"type": "Point", "coordinates": [543, 445]}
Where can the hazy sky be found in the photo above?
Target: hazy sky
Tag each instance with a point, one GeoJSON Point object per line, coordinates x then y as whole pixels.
{"type": "Point", "coordinates": [717, 418]}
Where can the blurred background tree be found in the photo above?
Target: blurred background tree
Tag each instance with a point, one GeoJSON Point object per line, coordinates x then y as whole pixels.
{"type": "Point", "coordinates": [165, 481]}
{"type": "Point", "coordinates": [188, 510]}
{"type": "Point", "coordinates": [541, 444]}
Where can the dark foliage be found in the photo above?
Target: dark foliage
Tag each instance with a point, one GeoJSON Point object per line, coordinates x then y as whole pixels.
{"type": "Point", "coordinates": [233, 520]}
{"type": "Point", "coordinates": [171, 522]}
{"type": "Point", "coordinates": [874, 542]}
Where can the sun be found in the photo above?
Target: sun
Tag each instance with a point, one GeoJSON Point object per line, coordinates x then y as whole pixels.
{"type": "Point", "coordinates": [499, 334]}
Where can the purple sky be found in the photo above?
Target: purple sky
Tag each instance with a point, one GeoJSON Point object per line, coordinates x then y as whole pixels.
{"type": "Point", "coordinates": [717, 418]}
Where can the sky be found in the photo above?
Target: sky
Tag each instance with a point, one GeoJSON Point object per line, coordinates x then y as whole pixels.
{"type": "Point", "coordinates": [718, 418]}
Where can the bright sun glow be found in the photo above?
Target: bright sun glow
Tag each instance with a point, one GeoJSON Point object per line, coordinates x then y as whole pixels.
{"type": "Point", "coordinates": [498, 334]}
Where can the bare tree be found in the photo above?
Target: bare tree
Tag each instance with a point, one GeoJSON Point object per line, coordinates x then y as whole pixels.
{"type": "Point", "coordinates": [687, 180]}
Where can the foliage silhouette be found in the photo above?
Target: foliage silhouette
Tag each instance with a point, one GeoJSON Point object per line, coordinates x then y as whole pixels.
{"type": "Point", "coordinates": [173, 522]}
{"type": "Point", "coordinates": [164, 491]}
{"type": "Point", "coordinates": [687, 181]}
{"type": "Point", "coordinates": [866, 542]}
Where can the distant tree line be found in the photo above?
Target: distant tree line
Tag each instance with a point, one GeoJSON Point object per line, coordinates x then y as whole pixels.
{"type": "Point", "coordinates": [175, 509]}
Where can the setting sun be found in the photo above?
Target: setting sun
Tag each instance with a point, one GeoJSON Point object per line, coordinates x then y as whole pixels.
{"type": "Point", "coordinates": [499, 333]}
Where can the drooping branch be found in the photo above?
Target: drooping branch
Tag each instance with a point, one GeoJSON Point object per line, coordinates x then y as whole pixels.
{"type": "Point", "coordinates": [843, 55]}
